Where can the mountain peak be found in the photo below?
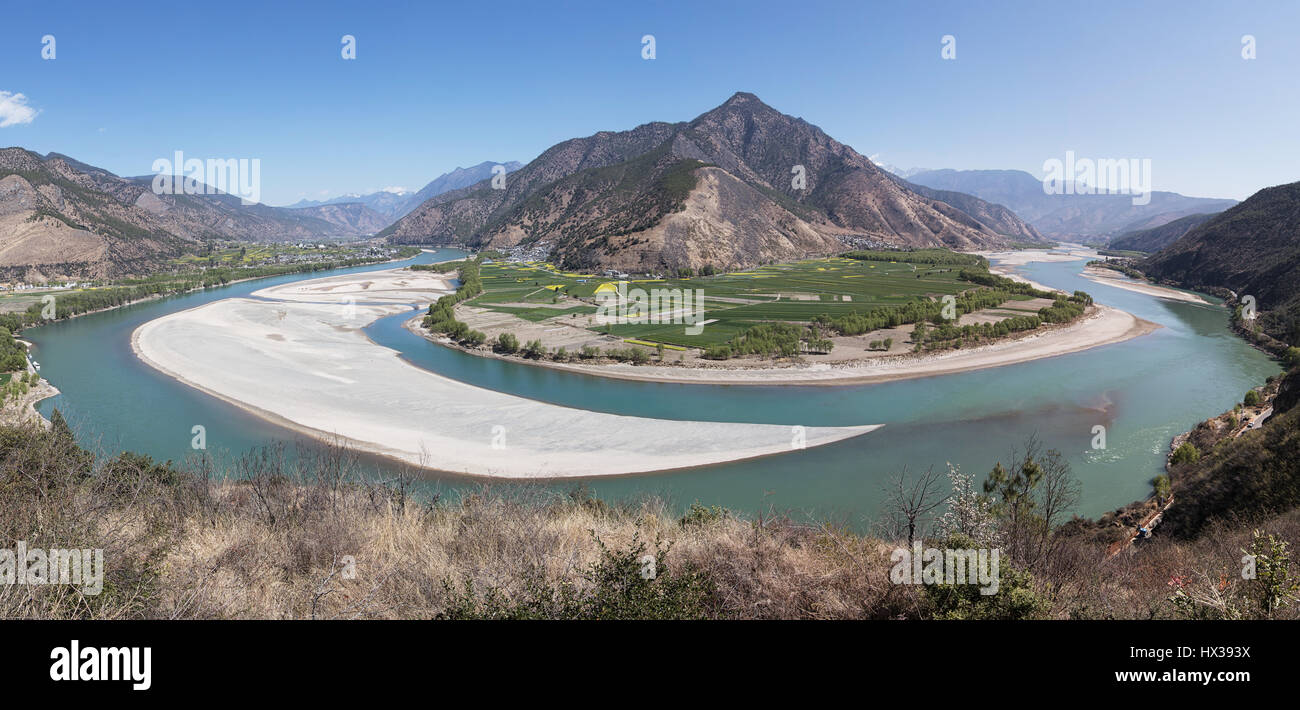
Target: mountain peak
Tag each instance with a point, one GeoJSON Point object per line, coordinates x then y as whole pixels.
{"type": "Point", "coordinates": [741, 97]}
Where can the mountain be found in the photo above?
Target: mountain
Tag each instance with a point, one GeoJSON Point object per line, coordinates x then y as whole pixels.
{"type": "Point", "coordinates": [62, 217]}
{"type": "Point", "coordinates": [996, 217]}
{"type": "Point", "coordinates": [895, 170]}
{"type": "Point", "coordinates": [718, 190]}
{"type": "Point", "coordinates": [395, 204]}
{"type": "Point", "coordinates": [1067, 215]}
{"type": "Point", "coordinates": [1252, 249]}
{"type": "Point", "coordinates": [455, 180]}
{"type": "Point", "coordinates": [1156, 238]}
{"type": "Point", "coordinates": [389, 203]}
{"type": "Point", "coordinates": [351, 217]}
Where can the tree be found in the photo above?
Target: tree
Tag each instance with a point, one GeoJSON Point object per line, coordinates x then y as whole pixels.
{"type": "Point", "coordinates": [60, 426]}
{"type": "Point", "coordinates": [1274, 586]}
{"type": "Point", "coordinates": [1162, 488]}
{"type": "Point", "coordinates": [908, 503]}
{"type": "Point", "coordinates": [534, 349]}
{"type": "Point", "coordinates": [1185, 453]}
{"type": "Point", "coordinates": [1251, 399]}
{"type": "Point", "coordinates": [1058, 494]}
{"type": "Point", "coordinates": [969, 514]}
{"type": "Point", "coordinates": [507, 343]}
{"type": "Point", "coordinates": [1030, 497]}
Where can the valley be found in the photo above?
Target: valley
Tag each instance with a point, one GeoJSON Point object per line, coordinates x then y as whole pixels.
{"type": "Point", "coordinates": [595, 311]}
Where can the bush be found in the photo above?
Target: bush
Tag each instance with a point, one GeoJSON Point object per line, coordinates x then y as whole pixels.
{"type": "Point", "coordinates": [534, 350]}
{"type": "Point", "coordinates": [702, 515]}
{"type": "Point", "coordinates": [1251, 399]}
{"type": "Point", "coordinates": [506, 343]}
{"type": "Point", "coordinates": [1185, 453]}
{"type": "Point", "coordinates": [1015, 599]}
{"type": "Point", "coordinates": [1160, 484]}
{"type": "Point", "coordinates": [717, 352]}
{"type": "Point", "coordinates": [623, 584]}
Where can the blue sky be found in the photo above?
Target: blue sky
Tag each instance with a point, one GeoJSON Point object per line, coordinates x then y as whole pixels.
{"type": "Point", "coordinates": [440, 85]}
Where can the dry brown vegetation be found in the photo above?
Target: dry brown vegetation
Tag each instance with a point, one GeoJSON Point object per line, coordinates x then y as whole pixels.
{"type": "Point", "coordinates": [304, 537]}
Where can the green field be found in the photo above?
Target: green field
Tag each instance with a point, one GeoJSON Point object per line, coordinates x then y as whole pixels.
{"type": "Point", "coordinates": [793, 292]}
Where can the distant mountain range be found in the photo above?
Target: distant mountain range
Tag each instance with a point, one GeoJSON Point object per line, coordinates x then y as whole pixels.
{"type": "Point", "coordinates": [1157, 238]}
{"type": "Point", "coordinates": [739, 185]}
{"type": "Point", "coordinates": [1252, 249]}
{"type": "Point", "coordinates": [387, 203]}
{"type": "Point", "coordinates": [62, 217]}
{"type": "Point", "coordinates": [396, 204]}
{"type": "Point", "coordinates": [994, 216]}
{"type": "Point", "coordinates": [1093, 218]}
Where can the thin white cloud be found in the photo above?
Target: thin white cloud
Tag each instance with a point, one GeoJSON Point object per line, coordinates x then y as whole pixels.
{"type": "Point", "coordinates": [14, 109]}
{"type": "Point", "coordinates": [396, 190]}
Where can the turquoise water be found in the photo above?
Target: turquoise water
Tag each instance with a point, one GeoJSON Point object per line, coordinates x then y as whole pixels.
{"type": "Point", "coordinates": [1143, 391]}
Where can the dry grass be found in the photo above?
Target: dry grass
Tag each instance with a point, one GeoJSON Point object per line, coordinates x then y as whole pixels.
{"type": "Point", "coordinates": [305, 537]}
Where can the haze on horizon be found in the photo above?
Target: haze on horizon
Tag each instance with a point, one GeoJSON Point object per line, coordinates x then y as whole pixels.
{"type": "Point", "coordinates": [430, 91]}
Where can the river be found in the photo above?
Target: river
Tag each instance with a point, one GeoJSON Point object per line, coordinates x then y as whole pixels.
{"type": "Point", "coordinates": [1143, 391]}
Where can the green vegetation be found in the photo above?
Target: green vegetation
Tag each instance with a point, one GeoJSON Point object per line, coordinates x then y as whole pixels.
{"type": "Point", "coordinates": [920, 256]}
{"type": "Point", "coordinates": [1124, 267]}
{"type": "Point", "coordinates": [13, 356]}
{"type": "Point", "coordinates": [785, 310]}
{"type": "Point", "coordinates": [71, 302]}
{"type": "Point", "coordinates": [1185, 453]}
{"type": "Point", "coordinates": [1122, 253]}
{"type": "Point", "coordinates": [441, 317]}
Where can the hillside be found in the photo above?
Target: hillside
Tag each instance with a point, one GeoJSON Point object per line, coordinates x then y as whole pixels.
{"type": "Point", "coordinates": [1244, 479]}
{"type": "Point", "coordinates": [1157, 238]}
{"type": "Point", "coordinates": [1067, 215]}
{"type": "Point", "coordinates": [994, 216]}
{"type": "Point", "coordinates": [63, 218]}
{"type": "Point", "coordinates": [1252, 249]}
{"type": "Point", "coordinates": [351, 217]}
{"type": "Point", "coordinates": [716, 190]}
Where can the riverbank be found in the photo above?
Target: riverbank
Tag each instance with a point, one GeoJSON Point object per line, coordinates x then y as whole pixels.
{"type": "Point", "coordinates": [160, 296]}
{"type": "Point", "coordinates": [879, 356]}
{"type": "Point", "coordinates": [1110, 277]}
{"type": "Point", "coordinates": [1003, 263]}
{"type": "Point", "coordinates": [23, 411]}
{"type": "Point", "coordinates": [1102, 326]}
{"type": "Point", "coordinates": [309, 366]}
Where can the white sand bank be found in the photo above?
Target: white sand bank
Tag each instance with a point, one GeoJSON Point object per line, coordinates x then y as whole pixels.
{"type": "Point", "coordinates": [1110, 277]}
{"type": "Point", "coordinates": [309, 366]}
